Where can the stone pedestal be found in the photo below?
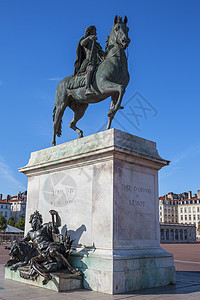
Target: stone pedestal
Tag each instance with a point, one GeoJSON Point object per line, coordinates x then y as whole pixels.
{"type": "Point", "coordinates": [60, 282]}
{"type": "Point", "coordinates": [105, 188]}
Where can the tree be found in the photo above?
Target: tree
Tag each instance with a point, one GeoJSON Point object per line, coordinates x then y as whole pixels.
{"type": "Point", "coordinates": [11, 221]}
{"type": "Point", "coordinates": [3, 223]}
{"type": "Point", "coordinates": [20, 223]}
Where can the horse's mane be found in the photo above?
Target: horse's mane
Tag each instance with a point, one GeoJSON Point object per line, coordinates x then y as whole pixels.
{"type": "Point", "coordinates": [117, 20]}
{"type": "Point", "coordinates": [107, 43]}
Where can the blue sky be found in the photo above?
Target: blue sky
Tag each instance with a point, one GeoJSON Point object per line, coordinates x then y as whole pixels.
{"type": "Point", "coordinates": [38, 44]}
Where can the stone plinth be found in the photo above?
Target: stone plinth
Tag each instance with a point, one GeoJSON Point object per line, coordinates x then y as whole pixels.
{"type": "Point", "coordinates": [105, 188]}
{"type": "Point", "coordinates": [60, 282]}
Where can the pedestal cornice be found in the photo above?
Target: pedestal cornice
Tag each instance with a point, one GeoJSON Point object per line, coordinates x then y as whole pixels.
{"type": "Point", "coordinates": [103, 144]}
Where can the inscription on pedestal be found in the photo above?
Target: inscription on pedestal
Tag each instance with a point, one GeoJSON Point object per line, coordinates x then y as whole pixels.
{"type": "Point", "coordinates": [135, 206]}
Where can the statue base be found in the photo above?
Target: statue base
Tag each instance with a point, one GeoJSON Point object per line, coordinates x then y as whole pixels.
{"type": "Point", "coordinates": [60, 282]}
{"type": "Point", "coordinates": [105, 188]}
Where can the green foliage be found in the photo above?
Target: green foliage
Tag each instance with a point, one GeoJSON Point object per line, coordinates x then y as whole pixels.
{"type": "Point", "coordinates": [11, 221]}
{"type": "Point", "coordinates": [20, 223]}
{"type": "Point", "coordinates": [3, 223]}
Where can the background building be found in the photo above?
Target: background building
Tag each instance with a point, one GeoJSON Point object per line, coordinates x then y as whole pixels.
{"type": "Point", "coordinates": [168, 210]}
{"type": "Point", "coordinates": [5, 208]}
{"type": "Point", "coordinates": [181, 209]}
{"type": "Point", "coordinates": [13, 206]}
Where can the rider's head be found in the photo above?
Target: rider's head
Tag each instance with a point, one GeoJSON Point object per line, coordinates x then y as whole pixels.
{"type": "Point", "coordinates": [91, 30]}
{"type": "Point", "coordinates": [36, 220]}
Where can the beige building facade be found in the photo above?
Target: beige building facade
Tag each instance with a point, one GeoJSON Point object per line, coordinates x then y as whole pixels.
{"type": "Point", "coordinates": [180, 209]}
{"type": "Point", "coordinates": [168, 211]}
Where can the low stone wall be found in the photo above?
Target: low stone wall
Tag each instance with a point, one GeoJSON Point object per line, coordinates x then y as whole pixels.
{"type": "Point", "coordinates": [177, 233]}
{"type": "Point", "coordinates": [7, 238]}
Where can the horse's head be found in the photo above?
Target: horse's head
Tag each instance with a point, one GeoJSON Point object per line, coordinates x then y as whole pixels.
{"type": "Point", "coordinates": [120, 32]}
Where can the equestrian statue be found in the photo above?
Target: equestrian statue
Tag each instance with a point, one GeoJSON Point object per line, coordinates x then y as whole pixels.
{"type": "Point", "coordinates": [97, 75]}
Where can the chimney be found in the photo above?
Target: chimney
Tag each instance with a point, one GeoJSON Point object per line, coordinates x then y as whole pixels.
{"type": "Point", "coordinates": [19, 195]}
{"type": "Point", "coordinates": [198, 193]}
{"type": "Point", "coordinates": [165, 197]}
{"type": "Point", "coordinates": [189, 194]}
{"type": "Point", "coordinates": [7, 198]}
{"type": "Point", "coordinates": [195, 195]}
{"type": "Point", "coordinates": [1, 196]}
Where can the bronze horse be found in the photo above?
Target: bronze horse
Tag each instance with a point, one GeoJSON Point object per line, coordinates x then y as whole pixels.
{"type": "Point", "coordinates": [110, 79]}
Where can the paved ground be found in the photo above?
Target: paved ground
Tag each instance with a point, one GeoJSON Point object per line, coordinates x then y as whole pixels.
{"type": "Point", "coordinates": [186, 256]}
{"type": "Point", "coordinates": [187, 262]}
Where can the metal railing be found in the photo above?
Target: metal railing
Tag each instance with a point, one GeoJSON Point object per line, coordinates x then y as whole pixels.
{"type": "Point", "coordinates": [7, 238]}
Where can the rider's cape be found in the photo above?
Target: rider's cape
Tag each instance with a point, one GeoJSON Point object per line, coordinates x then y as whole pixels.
{"type": "Point", "coordinates": [80, 56]}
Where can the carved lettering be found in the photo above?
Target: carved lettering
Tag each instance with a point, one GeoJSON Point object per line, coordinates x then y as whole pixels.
{"type": "Point", "coordinates": [136, 203]}
{"type": "Point", "coordinates": [140, 189]}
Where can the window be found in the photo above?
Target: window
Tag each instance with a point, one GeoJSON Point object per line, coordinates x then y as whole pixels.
{"type": "Point", "coordinates": [181, 210]}
{"type": "Point", "coordinates": [172, 234]}
{"type": "Point", "coordinates": [6, 214]}
{"type": "Point", "coordinates": [198, 217]}
{"type": "Point", "coordinates": [162, 234]}
{"type": "Point", "coordinates": [194, 217]}
{"type": "Point", "coordinates": [185, 209]}
{"type": "Point", "coordinates": [167, 234]}
{"type": "Point", "coordinates": [185, 234]}
{"type": "Point", "coordinates": [185, 217]}
{"type": "Point", "coordinates": [189, 209]}
{"type": "Point", "coordinates": [181, 234]}
{"type": "Point", "coordinates": [176, 234]}
{"type": "Point", "coordinates": [189, 217]}
{"type": "Point", "coordinates": [193, 209]}
{"type": "Point", "coordinates": [160, 213]}
{"type": "Point", "coordinates": [197, 209]}
{"type": "Point", "coordinates": [2, 206]}
{"type": "Point", "coordinates": [181, 217]}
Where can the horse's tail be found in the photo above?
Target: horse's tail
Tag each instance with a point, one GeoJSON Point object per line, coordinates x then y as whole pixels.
{"type": "Point", "coordinates": [59, 129]}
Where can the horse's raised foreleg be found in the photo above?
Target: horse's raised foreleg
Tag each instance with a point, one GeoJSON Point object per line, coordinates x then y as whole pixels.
{"type": "Point", "coordinates": [112, 106]}
{"type": "Point", "coordinates": [116, 91]}
{"type": "Point", "coordinates": [117, 106]}
{"type": "Point", "coordinates": [79, 110]}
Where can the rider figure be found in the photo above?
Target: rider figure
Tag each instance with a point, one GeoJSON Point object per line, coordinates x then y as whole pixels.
{"type": "Point", "coordinates": [88, 54]}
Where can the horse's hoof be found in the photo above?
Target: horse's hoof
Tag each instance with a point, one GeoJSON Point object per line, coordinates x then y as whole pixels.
{"type": "Point", "coordinates": [111, 113]}
{"type": "Point", "coordinates": [80, 135]}
{"type": "Point", "coordinates": [53, 143]}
